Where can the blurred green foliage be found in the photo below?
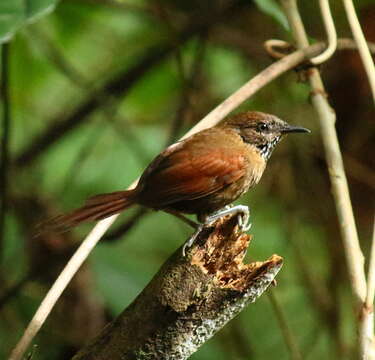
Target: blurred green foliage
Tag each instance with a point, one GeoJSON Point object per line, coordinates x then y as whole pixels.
{"type": "Point", "coordinates": [17, 13]}
{"type": "Point", "coordinates": [101, 39]}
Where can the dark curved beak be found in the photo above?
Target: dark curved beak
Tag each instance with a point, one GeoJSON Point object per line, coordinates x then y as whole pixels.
{"type": "Point", "coordinates": [294, 129]}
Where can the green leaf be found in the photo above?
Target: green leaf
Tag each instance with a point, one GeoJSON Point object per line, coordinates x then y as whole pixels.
{"type": "Point", "coordinates": [273, 9]}
{"type": "Point", "coordinates": [15, 14]}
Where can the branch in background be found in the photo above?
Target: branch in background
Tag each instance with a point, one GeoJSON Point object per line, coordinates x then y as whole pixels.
{"type": "Point", "coordinates": [108, 103]}
{"type": "Point", "coordinates": [366, 330]}
{"type": "Point", "coordinates": [279, 48]}
{"type": "Point", "coordinates": [289, 338]}
{"type": "Point", "coordinates": [4, 160]}
{"type": "Point", "coordinates": [190, 82]}
{"type": "Point", "coordinates": [167, 21]}
{"type": "Point", "coordinates": [371, 273]}
{"type": "Point", "coordinates": [340, 189]}
{"type": "Point", "coordinates": [366, 323]}
{"type": "Point", "coordinates": [116, 87]}
{"type": "Point", "coordinates": [321, 295]}
{"type": "Point", "coordinates": [9, 293]}
{"type": "Point", "coordinates": [188, 301]}
{"type": "Point", "coordinates": [51, 51]}
{"type": "Point", "coordinates": [121, 128]}
{"type": "Point", "coordinates": [322, 290]}
{"type": "Point", "coordinates": [363, 49]}
{"type": "Point", "coordinates": [237, 339]}
{"type": "Point", "coordinates": [123, 229]}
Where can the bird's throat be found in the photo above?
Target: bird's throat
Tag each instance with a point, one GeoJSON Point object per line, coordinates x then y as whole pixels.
{"type": "Point", "coordinates": [267, 148]}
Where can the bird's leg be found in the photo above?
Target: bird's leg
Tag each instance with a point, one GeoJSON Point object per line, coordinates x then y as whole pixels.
{"type": "Point", "coordinates": [193, 237]}
{"type": "Point", "coordinates": [186, 220]}
{"type": "Point", "coordinates": [198, 228]}
{"type": "Point", "coordinates": [243, 221]}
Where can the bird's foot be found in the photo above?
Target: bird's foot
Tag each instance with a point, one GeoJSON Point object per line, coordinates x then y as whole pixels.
{"type": "Point", "coordinates": [241, 211]}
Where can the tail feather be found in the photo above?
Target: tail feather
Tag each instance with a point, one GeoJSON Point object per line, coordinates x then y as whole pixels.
{"type": "Point", "coordinates": [106, 198]}
{"type": "Point", "coordinates": [96, 208]}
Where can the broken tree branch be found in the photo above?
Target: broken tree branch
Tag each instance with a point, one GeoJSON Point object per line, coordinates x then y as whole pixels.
{"type": "Point", "coordinates": [188, 300]}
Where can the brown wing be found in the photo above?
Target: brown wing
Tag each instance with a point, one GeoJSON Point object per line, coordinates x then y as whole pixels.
{"type": "Point", "coordinates": [187, 171]}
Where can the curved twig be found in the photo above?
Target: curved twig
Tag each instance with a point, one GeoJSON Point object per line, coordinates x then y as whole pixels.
{"type": "Point", "coordinates": [331, 34]}
{"type": "Point", "coordinates": [278, 49]}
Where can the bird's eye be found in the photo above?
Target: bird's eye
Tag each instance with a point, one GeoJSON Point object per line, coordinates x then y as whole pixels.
{"type": "Point", "coordinates": [262, 127]}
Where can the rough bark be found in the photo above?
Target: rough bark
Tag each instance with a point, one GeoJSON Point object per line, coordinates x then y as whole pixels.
{"type": "Point", "coordinates": [188, 300]}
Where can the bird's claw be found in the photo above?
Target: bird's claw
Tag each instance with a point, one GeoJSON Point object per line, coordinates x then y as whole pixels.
{"type": "Point", "coordinates": [243, 216]}
{"type": "Point", "coordinates": [243, 220]}
{"type": "Point", "coordinates": [242, 212]}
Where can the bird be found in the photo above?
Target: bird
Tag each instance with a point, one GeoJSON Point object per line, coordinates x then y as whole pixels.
{"type": "Point", "coordinates": [202, 174]}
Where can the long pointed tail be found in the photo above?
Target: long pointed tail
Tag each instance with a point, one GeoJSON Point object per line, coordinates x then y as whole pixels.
{"type": "Point", "coordinates": [96, 208]}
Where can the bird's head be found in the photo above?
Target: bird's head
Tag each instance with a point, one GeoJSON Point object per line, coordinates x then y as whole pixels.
{"type": "Point", "coordinates": [261, 130]}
